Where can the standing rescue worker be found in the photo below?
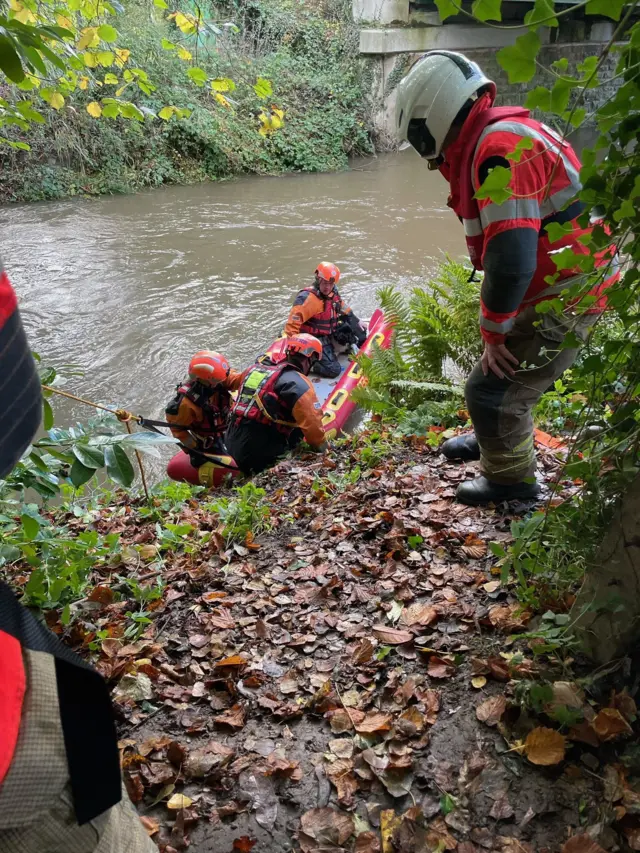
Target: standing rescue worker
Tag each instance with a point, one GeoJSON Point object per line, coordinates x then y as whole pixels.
{"type": "Point", "coordinates": [445, 111]}
{"type": "Point", "coordinates": [60, 786]}
{"type": "Point", "coordinates": [320, 311]}
{"type": "Point", "coordinates": [276, 407]}
{"type": "Point", "coordinates": [199, 411]}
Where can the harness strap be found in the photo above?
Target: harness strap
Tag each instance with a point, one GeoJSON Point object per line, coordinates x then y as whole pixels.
{"type": "Point", "coordinates": [261, 406]}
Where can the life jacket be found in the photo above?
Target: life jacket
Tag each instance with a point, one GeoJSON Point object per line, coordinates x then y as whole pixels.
{"type": "Point", "coordinates": [214, 404]}
{"type": "Point", "coordinates": [326, 322]}
{"type": "Point", "coordinates": [258, 401]}
{"type": "Point", "coordinates": [560, 205]}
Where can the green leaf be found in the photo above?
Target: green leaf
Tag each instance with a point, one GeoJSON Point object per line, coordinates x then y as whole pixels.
{"type": "Point", "coordinates": [497, 550]}
{"type": "Point", "coordinates": [543, 12]}
{"type": "Point", "coordinates": [487, 10]}
{"type": "Point", "coordinates": [446, 8]}
{"type": "Point", "coordinates": [119, 468]}
{"type": "Point", "coordinates": [222, 84]}
{"type": "Point", "coordinates": [525, 144]}
{"type": "Point", "coordinates": [576, 117]}
{"type": "Point", "coordinates": [107, 33]}
{"type": "Point", "coordinates": [561, 65]}
{"type": "Point", "coordinates": [110, 78]}
{"type": "Point", "coordinates": [519, 59]}
{"type": "Point", "coordinates": [166, 113]}
{"type": "Point", "coordinates": [447, 804]}
{"type": "Point", "coordinates": [30, 526]}
{"type": "Point", "coordinates": [91, 457]}
{"type": "Point", "coordinates": [556, 231]}
{"type": "Point", "coordinates": [263, 88]}
{"type": "Point", "coordinates": [111, 111]}
{"type": "Point", "coordinates": [198, 76]}
{"type": "Point", "coordinates": [168, 45]}
{"type": "Point", "coordinates": [560, 96]}
{"type": "Point", "coordinates": [160, 4]}
{"type": "Point", "coordinates": [496, 185]}
{"type": "Point", "coordinates": [626, 210]}
{"type": "Point", "coordinates": [80, 474]}
{"type": "Point", "coordinates": [10, 61]}
{"type": "Point", "coordinates": [539, 98]}
{"type": "Point", "coordinates": [47, 414]}
{"type": "Point", "coordinates": [609, 8]}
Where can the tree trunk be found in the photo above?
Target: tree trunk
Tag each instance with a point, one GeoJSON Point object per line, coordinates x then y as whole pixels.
{"type": "Point", "coordinates": [607, 609]}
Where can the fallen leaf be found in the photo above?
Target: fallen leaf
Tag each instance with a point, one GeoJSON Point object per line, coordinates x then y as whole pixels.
{"type": "Point", "coordinates": [101, 594]}
{"type": "Point", "coordinates": [544, 746]}
{"type": "Point", "coordinates": [625, 704]}
{"type": "Point", "coordinates": [610, 724]}
{"type": "Point", "coordinates": [374, 722]}
{"type": "Point", "coordinates": [233, 660]}
{"type": "Point", "coordinates": [342, 720]}
{"type": "Point", "coordinates": [632, 834]}
{"type": "Point", "coordinates": [479, 681]}
{"type": "Point", "coordinates": [508, 617]}
{"type": "Point", "coordinates": [244, 844]}
{"type": "Point", "coordinates": [410, 723]}
{"type": "Point", "coordinates": [179, 801]}
{"type": "Point", "coordinates": [419, 614]}
{"type": "Point", "coordinates": [341, 747]}
{"type": "Point", "coordinates": [233, 717]}
{"type": "Point", "coordinates": [363, 652]}
{"type": "Point", "coordinates": [389, 822]}
{"type": "Point", "coordinates": [176, 753]}
{"type": "Point", "coordinates": [151, 825]}
{"type": "Point", "coordinates": [367, 842]}
{"type": "Point", "coordinates": [199, 641]}
{"type": "Point", "coordinates": [324, 828]}
{"type": "Point", "coordinates": [491, 586]}
{"type": "Point", "coordinates": [581, 844]}
{"type": "Point", "coordinates": [440, 668]}
{"type": "Point", "coordinates": [499, 669]}
{"type": "Point", "coordinates": [392, 636]}
{"type": "Point", "coordinates": [438, 834]}
{"type": "Point", "coordinates": [340, 774]}
{"type": "Point", "coordinates": [583, 733]}
{"type": "Point", "coordinates": [491, 710]}
{"type": "Point", "coordinates": [501, 808]}
{"type": "Point", "coordinates": [431, 699]}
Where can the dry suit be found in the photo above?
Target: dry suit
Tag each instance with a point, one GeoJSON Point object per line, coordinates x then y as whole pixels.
{"type": "Point", "coordinates": [328, 319]}
{"type": "Point", "coordinates": [275, 409]}
{"type": "Point", "coordinates": [509, 242]}
{"type": "Point", "coordinates": [200, 415]}
{"type": "Point", "coordinates": [60, 785]}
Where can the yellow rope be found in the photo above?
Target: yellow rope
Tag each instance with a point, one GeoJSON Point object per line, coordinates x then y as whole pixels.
{"type": "Point", "coordinates": [122, 415]}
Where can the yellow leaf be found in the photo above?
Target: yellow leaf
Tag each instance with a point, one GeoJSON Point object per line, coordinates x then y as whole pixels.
{"type": "Point", "coordinates": [544, 746]}
{"type": "Point", "coordinates": [57, 101]}
{"type": "Point", "coordinates": [222, 84]}
{"type": "Point", "coordinates": [122, 54]}
{"type": "Point", "coordinates": [83, 82]}
{"type": "Point", "coordinates": [479, 681]}
{"type": "Point", "coordinates": [221, 99]}
{"type": "Point", "coordinates": [278, 113]}
{"type": "Point", "coordinates": [179, 801]}
{"type": "Point", "coordinates": [90, 60]}
{"type": "Point", "coordinates": [94, 109]}
{"type": "Point", "coordinates": [89, 38]}
{"type": "Point", "coordinates": [24, 15]}
{"type": "Point", "coordinates": [183, 53]}
{"type": "Point", "coordinates": [389, 822]}
{"type": "Point", "coordinates": [186, 24]}
{"type": "Point", "coordinates": [64, 22]}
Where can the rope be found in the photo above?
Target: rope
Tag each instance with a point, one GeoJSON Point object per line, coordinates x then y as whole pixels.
{"type": "Point", "coordinates": [122, 415]}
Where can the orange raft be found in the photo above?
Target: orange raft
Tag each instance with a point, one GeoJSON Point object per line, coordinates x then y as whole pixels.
{"type": "Point", "coordinates": [337, 409]}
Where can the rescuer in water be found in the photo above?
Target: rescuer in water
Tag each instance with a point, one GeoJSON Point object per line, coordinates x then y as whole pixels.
{"type": "Point", "coordinates": [276, 407]}
{"type": "Point", "coordinates": [445, 111]}
{"type": "Point", "coordinates": [319, 310]}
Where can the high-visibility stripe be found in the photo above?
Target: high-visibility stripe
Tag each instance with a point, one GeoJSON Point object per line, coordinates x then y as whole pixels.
{"type": "Point", "coordinates": [499, 328]}
{"type": "Point", "coordinates": [513, 208]}
{"type": "Point", "coordinates": [472, 227]}
{"type": "Point", "coordinates": [554, 202]}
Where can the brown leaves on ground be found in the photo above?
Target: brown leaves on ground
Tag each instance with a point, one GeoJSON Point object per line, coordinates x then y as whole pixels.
{"type": "Point", "coordinates": [233, 717]}
{"type": "Point", "coordinates": [609, 724]}
{"type": "Point", "coordinates": [545, 746]}
{"type": "Point", "coordinates": [419, 614]}
{"type": "Point", "coordinates": [440, 667]}
{"type": "Point", "coordinates": [509, 617]}
{"type": "Point", "coordinates": [491, 710]}
{"type": "Point", "coordinates": [374, 722]}
{"type": "Point", "coordinates": [392, 636]}
{"type": "Point", "coordinates": [581, 844]}
{"type": "Point", "coordinates": [324, 828]}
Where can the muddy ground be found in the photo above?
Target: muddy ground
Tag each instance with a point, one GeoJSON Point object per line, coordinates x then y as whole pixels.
{"type": "Point", "coordinates": [352, 679]}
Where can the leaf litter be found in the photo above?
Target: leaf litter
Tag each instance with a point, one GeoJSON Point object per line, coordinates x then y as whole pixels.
{"type": "Point", "coordinates": [341, 682]}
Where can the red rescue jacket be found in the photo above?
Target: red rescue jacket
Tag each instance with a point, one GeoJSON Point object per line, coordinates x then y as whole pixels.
{"type": "Point", "coordinates": [326, 321]}
{"type": "Point", "coordinates": [545, 183]}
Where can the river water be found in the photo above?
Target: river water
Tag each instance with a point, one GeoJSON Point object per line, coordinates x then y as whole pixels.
{"type": "Point", "coordinates": [127, 288]}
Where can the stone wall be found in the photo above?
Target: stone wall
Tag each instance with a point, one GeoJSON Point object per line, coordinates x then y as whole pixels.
{"type": "Point", "coordinates": [389, 70]}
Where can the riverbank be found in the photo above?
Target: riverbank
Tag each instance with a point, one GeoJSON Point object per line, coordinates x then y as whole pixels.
{"type": "Point", "coordinates": [299, 60]}
{"type": "Point", "coordinates": [332, 657]}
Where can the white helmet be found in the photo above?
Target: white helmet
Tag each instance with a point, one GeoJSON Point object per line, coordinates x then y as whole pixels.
{"type": "Point", "coordinates": [432, 94]}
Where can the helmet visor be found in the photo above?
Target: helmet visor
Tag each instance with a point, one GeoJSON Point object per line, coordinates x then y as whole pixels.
{"type": "Point", "coordinates": [419, 137]}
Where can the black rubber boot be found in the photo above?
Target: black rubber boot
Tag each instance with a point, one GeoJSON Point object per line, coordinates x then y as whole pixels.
{"type": "Point", "coordinates": [482, 491]}
{"type": "Point", "coordinates": [463, 447]}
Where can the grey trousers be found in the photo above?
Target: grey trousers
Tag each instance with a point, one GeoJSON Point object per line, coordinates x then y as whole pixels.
{"type": "Point", "coordinates": [501, 409]}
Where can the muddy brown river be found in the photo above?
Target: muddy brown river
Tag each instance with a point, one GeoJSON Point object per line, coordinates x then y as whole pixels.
{"type": "Point", "coordinates": [129, 287]}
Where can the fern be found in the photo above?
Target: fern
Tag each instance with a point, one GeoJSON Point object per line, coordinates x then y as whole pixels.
{"type": "Point", "coordinates": [435, 334]}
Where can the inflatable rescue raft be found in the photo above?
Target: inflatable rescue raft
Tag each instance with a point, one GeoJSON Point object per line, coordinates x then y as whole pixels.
{"type": "Point", "coordinates": [337, 408]}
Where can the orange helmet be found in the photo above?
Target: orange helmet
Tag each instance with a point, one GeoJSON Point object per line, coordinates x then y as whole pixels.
{"type": "Point", "coordinates": [328, 272]}
{"type": "Point", "coordinates": [209, 367]}
{"type": "Point", "coordinates": [304, 345]}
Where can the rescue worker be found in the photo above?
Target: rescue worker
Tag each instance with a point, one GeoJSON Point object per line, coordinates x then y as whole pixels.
{"type": "Point", "coordinates": [60, 785]}
{"type": "Point", "coordinates": [445, 111]}
{"type": "Point", "coordinates": [201, 406]}
{"type": "Point", "coordinates": [276, 407]}
{"type": "Point", "coordinates": [319, 310]}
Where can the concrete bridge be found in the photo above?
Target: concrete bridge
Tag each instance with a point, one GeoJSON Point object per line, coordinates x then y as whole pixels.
{"type": "Point", "coordinates": [393, 33]}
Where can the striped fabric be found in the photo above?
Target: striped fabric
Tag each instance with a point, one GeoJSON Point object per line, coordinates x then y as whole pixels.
{"type": "Point", "coordinates": [20, 395]}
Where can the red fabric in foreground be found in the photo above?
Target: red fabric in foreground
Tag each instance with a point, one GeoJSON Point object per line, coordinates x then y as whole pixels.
{"type": "Point", "coordinates": [12, 690]}
{"type": "Point", "coordinates": [8, 301]}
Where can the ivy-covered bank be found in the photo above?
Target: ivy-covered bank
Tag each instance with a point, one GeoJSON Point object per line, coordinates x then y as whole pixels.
{"type": "Point", "coordinates": [271, 86]}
